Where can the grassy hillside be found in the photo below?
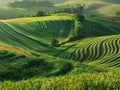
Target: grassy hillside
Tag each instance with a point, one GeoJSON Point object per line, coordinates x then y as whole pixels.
{"type": "Point", "coordinates": [32, 33]}
{"type": "Point", "coordinates": [39, 31]}
{"type": "Point", "coordinates": [42, 28]}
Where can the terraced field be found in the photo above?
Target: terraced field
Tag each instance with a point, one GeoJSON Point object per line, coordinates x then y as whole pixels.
{"type": "Point", "coordinates": [100, 51]}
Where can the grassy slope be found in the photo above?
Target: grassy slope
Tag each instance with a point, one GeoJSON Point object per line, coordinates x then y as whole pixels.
{"type": "Point", "coordinates": [32, 33]}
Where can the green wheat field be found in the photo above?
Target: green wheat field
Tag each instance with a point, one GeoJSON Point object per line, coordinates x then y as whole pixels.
{"type": "Point", "coordinates": [59, 47]}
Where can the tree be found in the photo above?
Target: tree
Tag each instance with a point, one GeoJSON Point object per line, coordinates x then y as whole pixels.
{"type": "Point", "coordinates": [40, 13]}
{"type": "Point", "coordinates": [79, 17]}
{"type": "Point", "coordinates": [55, 43]}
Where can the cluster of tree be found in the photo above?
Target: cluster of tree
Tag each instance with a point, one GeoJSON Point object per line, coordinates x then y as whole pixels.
{"type": "Point", "coordinates": [78, 32]}
{"type": "Point", "coordinates": [28, 4]}
{"type": "Point", "coordinates": [71, 10]}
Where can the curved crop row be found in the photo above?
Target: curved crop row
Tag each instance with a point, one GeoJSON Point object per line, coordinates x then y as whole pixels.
{"type": "Point", "coordinates": [95, 51]}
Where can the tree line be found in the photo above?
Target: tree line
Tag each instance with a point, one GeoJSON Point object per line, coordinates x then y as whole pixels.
{"type": "Point", "coordinates": [71, 10]}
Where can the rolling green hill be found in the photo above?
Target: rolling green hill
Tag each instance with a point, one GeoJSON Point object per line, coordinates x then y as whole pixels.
{"type": "Point", "coordinates": [27, 60]}
{"type": "Point", "coordinates": [35, 33]}
{"type": "Point", "coordinates": [39, 31]}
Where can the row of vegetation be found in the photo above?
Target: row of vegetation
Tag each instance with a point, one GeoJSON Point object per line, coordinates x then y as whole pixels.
{"type": "Point", "coordinates": [72, 10]}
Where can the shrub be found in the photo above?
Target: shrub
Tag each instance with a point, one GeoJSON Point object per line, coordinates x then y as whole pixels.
{"type": "Point", "coordinates": [40, 13]}
{"type": "Point", "coordinates": [55, 43]}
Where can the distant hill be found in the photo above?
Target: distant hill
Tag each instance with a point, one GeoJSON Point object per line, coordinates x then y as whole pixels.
{"type": "Point", "coordinates": [30, 4]}
{"type": "Point", "coordinates": [115, 1]}
{"type": "Point", "coordinates": [92, 7]}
